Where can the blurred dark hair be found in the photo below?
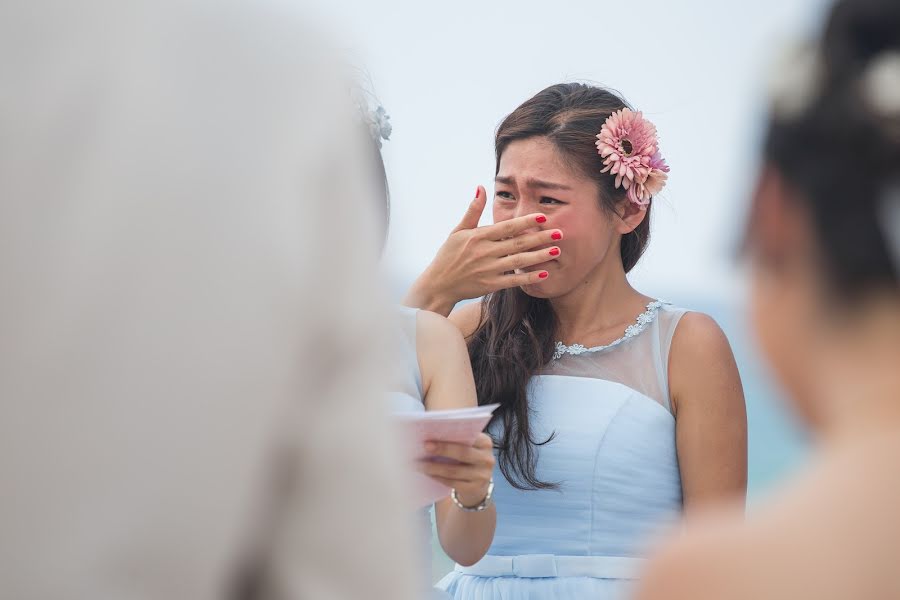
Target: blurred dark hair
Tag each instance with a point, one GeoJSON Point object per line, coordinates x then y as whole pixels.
{"type": "Point", "coordinates": [841, 154]}
{"type": "Point", "coordinates": [517, 332]}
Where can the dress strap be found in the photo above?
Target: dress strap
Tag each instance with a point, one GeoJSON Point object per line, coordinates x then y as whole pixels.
{"type": "Point", "coordinates": [550, 565]}
{"type": "Point", "coordinates": [667, 323]}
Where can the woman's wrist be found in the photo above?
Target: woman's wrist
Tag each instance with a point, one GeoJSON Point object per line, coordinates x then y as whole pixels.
{"type": "Point", "coordinates": [474, 501]}
{"type": "Point", "coordinates": [423, 294]}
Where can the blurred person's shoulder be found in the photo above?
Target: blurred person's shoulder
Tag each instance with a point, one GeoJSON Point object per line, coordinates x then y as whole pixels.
{"type": "Point", "coordinates": [696, 559]}
{"type": "Point", "coordinates": [827, 534]}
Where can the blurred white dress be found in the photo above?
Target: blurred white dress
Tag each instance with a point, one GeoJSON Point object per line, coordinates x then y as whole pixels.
{"type": "Point", "coordinates": [190, 329]}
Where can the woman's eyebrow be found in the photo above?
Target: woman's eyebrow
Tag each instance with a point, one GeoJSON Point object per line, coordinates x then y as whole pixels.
{"type": "Point", "coordinates": [533, 183]}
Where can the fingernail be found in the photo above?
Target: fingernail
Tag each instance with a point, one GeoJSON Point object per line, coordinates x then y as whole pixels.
{"type": "Point", "coordinates": [554, 251]}
{"type": "Point", "coordinates": [543, 274]}
{"type": "Point", "coordinates": [557, 235]}
{"type": "Point", "coordinates": [541, 219]}
{"type": "Point", "coordinates": [477, 191]}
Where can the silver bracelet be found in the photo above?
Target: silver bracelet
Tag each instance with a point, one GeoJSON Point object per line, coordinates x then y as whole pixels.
{"type": "Point", "coordinates": [478, 507]}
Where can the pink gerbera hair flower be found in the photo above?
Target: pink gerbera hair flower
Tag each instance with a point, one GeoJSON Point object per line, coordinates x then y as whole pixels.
{"type": "Point", "coordinates": [630, 150]}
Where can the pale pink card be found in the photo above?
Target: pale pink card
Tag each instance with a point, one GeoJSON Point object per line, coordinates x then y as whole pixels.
{"type": "Point", "coordinates": [460, 426]}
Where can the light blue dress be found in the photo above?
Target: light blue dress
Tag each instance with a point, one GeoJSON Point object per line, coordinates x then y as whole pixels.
{"type": "Point", "coordinates": [406, 396]}
{"type": "Point", "coordinates": [614, 458]}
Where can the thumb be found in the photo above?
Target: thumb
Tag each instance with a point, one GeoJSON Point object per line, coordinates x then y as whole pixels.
{"type": "Point", "coordinates": [473, 213]}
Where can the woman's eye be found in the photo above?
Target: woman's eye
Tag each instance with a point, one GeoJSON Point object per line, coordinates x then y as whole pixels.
{"type": "Point", "coordinates": [505, 196]}
{"type": "Point", "coordinates": [546, 200]}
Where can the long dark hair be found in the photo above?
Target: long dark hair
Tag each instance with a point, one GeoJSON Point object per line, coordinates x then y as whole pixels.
{"type": "Point", "coordinates": [515, 338]}
{"type": "Point", "coordinates": [842, 154]}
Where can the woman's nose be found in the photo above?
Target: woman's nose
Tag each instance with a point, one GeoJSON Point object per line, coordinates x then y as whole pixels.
{"type": "Point", "coordinates": [529, 208]}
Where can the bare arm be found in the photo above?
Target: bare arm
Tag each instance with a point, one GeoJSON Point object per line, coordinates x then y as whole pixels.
{"type": "Point", "coordinates": [447, 380]}
{"type": "Point", "coordinates": [711, 430]}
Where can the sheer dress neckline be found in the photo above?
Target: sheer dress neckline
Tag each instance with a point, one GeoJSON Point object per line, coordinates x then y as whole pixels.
{"type": "Point", "coordinates": [640, 324]}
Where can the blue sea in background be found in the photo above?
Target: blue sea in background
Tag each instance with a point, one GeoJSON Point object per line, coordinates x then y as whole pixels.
{"type": "Point", "coordinates": [776, 443]}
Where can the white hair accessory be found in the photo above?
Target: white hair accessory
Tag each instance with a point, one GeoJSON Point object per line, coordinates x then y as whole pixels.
{"type": "Point", "coordinates": [376, 120]}
{"type": "Point", "coordinates": [379, 123]}
{"type": "Point", "coordinates": [881, 91]}
{"type": "Point", "coordinates": [795, 82]}
{"type": "Point", "coordinates": [881, 84]}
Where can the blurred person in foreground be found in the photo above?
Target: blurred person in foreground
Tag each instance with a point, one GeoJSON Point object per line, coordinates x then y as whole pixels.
{"type": "Point", "coordinates": [823, 244]}
{"type": "Point", "coordinates": [185, 413]}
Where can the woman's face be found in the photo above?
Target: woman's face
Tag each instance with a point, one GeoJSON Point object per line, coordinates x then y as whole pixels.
{"type": "Point", "coordinates": [786, 294]}
{"type": "Point", "coordinates": [533, 177]}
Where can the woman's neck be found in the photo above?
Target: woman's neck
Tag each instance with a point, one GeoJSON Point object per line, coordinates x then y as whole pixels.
{"type": "Point", "coordinates": [860, 378]}
{"type": "Point", "coordinates": [604, 300]}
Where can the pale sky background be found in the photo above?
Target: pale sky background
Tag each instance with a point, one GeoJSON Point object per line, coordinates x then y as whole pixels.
{"type": "Point", "coordinates": [448, 73]}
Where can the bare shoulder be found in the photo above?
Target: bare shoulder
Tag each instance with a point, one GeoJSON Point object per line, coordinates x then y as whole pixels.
{"type": "Point", "coordinates": [698, 333]}
{"type": "Point", "coordinates": [434, 330]}
{"type": "Point", "coordinates": [467, 318]}
{"type": "Point", "coordinates": [438, 344]}
{"type": "Point", "coordinates": [444, 363]}
{"type": "Point", "coordinates": [701, 362]}
{"type": "Point", "coordinates": [436, 336]}
{"type": "Point", "coordinates": [822, 535]}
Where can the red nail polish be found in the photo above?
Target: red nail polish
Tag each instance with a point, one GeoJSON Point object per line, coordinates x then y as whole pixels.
{"type": "Point", "coordinates": [556, 235]}
{"type": "Point", "coordinates": [543, 274]}
{"type": "Point", "coordinates": [477, 191]}
{"type": "Point", "coordinates": [541, 219]}
{"type": "Point", "coordinates": [554, 251]}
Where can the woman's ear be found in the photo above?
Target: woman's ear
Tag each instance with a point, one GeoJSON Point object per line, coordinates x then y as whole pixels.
{"type": "Point", "coordinates": [630, 216]}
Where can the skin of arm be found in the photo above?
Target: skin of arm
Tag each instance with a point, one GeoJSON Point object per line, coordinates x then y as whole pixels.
{"type": "Point", "coordinates": [447, 382]}
{"type": "Point", "coordinates": [711, 419]}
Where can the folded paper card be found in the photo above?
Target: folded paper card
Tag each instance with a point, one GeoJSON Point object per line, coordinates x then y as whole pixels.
{"type": "Point", "coordinates": [460, 426]}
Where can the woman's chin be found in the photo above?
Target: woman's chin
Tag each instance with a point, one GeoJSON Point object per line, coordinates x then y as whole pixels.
{"type": "Point", "coordinates": [546, 288]}
{"type": "Point", "coordinates": [541, 289]}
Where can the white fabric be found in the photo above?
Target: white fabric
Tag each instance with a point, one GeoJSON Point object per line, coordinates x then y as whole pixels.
{"type": "Point", "coordinates": [549, 565]}
{"type": "Point", "coordinates": [187, 321]}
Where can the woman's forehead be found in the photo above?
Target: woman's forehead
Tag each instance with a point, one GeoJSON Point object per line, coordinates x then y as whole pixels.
{"type": "Point", "coordinates": [535, 161]}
